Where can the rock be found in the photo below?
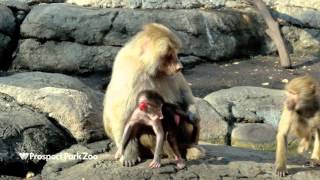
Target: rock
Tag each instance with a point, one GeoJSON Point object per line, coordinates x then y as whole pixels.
{"type": "Point", "coordinates": [254, 135]}
{"type": "Point", "coordinates": [7, 21]}
{"type": "Point", "coordinates": [214, 128]}
{"type": "Point", "coordinates": [297, 12]}
{"type": "Point", "coordinates": [65, 22]}
{"type": "Point", "coordinates": [23, 129]}
{"type": "Point", "coordinates": [16, 5]}
{"type": "Point", "coordinates": [64, 99]}
{"type": "Point", "coordinates": [190, 61]}
{"type": "Point", "coordinates": [248, 104]}
{"type": "Point", "coordinates": [302, 41]}
{"type": "Point", "coordinates": [150, 4]}
{"type": "Point", "coordinates": [74, 155]}
{"type": "Point", "coordinates": [31, 2]}
{"type": "Point", "coordinates": [301, 16]}
{"type": "Point", "coordinates": [314, 4]}
{"type": "Point", "coordinates": [259, 136]}
{"type": "Point", "coordinates": [7, 31]}
{"type": "Point", "coordinates": [19, 8]}
{"type": "Point", "coordinates": [221, 162]}
{"type": "Point", "coordinates": [64, 57]}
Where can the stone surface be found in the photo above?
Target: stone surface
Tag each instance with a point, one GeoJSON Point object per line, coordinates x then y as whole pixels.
{"type": "Point", "coordinates": [302, 41]}
{"type": "Point", "coordinates": [7, 31]}
{"type": "Point", "coordinates": [248, 104]}
{"type": "Point", "coordinates": [24, 129]}
{"type": "Point", "coordinates": [186, 4]}
{"type": "Point", "coordinates": [190, 61]}
{"type": "Point", "coordinates": [301, 16]}
{"type": "Point", "coordinates": [7, 21]}
{"type": "Point", "coordinates": [76, 154]}
{"type": "Point", "coordinates": [64, 57]}
{"type": "Point", "coordinates": [214, 128]}
{"type": "Point", "coordinates": [254, 135]}
{"type": "Point", "coordinates": [221, 162]}
{"type": "Point", "coordinates": [314, 4]}
{"type": "Point", "coordinates": [16, 5]}
{"type": "Point", "coordinates": [67, 23]}
{"type": "Point", "coordinates": [150, 4]}
{"type": "Point", "coordinates": [66, 100]}
{"type": "Point", "coordinates": [31, 2]}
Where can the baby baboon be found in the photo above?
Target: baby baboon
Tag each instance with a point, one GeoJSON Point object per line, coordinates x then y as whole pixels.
{"type": "Point", "coordinates": [149, 112]}
{"type": "Point", "coordinates": [300, 117]}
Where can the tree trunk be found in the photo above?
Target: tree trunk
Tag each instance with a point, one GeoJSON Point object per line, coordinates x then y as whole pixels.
{"type": "Point", "coordinates": [273, 32]}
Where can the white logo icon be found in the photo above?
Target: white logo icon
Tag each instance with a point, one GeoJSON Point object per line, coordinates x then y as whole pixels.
{"type": "Point", "coordinates": [23, 156]}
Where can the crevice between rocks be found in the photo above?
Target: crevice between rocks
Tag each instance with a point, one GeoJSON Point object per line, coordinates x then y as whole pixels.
{"type": "Point", "coordinates": [231, 120]}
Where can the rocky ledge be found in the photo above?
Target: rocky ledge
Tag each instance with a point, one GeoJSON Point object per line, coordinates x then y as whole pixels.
{"type": "Point", "coordinates": [221, 162]}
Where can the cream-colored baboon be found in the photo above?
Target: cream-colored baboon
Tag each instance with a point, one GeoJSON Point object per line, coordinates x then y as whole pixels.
{"type": "Point", "coordinates": [149, 61]}
{"type": "Point", "coordinates": [300, 117]}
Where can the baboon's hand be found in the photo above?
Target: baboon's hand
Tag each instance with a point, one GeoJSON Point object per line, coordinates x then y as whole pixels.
{"type": "Point", "coordinates": [193, 113]}
{"type": "Point", "coordinates": [118, 154]}
{"type": "Point", "coordinates": [281, 171]}
{"type": "Point", "coordinates": [180, 164]}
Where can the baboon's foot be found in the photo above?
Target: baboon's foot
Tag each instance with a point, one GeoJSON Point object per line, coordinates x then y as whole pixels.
{"type": "Point", "coordinates": [131, 154]}
{"type": "Point", "coordinates": [281, 171]}
{"type": "Point", "coordinates": [195, 152]}
{"type": "Point", "coordinates": [314, 162]}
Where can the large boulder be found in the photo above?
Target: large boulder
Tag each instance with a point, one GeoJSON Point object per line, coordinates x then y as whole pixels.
{"type": "Point", "coordinates": [298, 12]}
{"type": "Point", "coordinates": [30, 2]}
{"type": "Point", "coordinates": [24, 129]}
{"type": "Point", "coordinates": [214, 128]}
{"type": "Point", "coordinates": [254, 135]}
{"type": "Point", "coordinates": [64, 99]}
{"type": "Point", "coordinates": [65, 22]}
{"type": "Point", "coordinates": [7, 33]}
{"type": "Point", "coordinates": [75, 155]}
{"type": "Point", "coordinates": [248, 104]}
{"type": "Point", "coordinates": [64, 57]}
{"type": "Point", "coordinates": [302, 41]}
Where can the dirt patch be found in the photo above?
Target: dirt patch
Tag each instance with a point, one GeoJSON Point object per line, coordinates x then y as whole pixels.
{"type": "Point", "coordinates": [261, 71]}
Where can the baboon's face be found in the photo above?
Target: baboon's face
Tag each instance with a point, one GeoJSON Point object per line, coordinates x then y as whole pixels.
{"type": "Point", "coordinates": [169, 63]}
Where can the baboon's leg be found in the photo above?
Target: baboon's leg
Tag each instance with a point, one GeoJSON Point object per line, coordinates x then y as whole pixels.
{"type": "Point", "coordinates": [315, 156]}
{"type": "Point", "coordinates": [281, 151]}
{"type": "Point", "coordinates": [149, 141]}
{"type": "Point", "coordinates": [304, 144]}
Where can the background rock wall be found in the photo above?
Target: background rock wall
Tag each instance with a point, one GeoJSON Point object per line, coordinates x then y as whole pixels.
{"type": "Point", "coordinates": [87, 39]}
